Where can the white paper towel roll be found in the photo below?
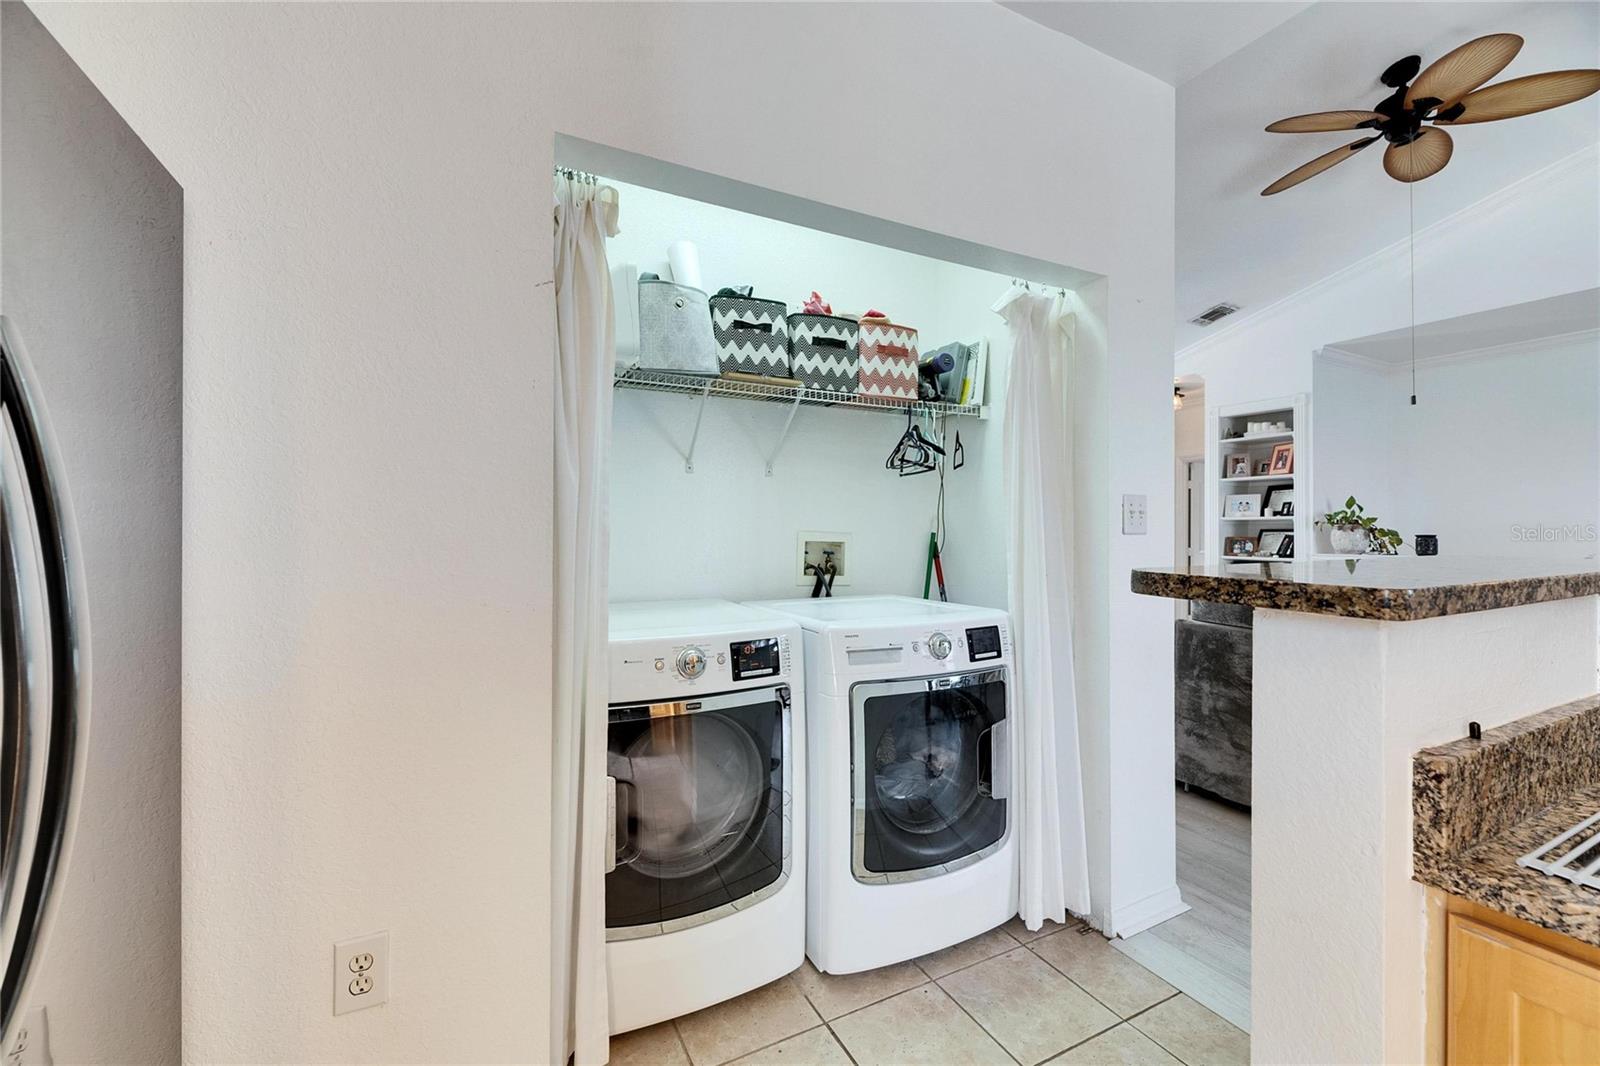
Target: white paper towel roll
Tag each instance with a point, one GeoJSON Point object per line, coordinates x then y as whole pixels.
{"type": "Point", "coordinates": [685, 261]}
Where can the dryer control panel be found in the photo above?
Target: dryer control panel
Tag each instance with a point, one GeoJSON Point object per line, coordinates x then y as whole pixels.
{"type": "Point", "coordinates": [956, 646]}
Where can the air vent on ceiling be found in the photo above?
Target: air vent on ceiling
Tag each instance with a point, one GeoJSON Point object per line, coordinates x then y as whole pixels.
{"type": "Point", "coordinates": [1213, 314]}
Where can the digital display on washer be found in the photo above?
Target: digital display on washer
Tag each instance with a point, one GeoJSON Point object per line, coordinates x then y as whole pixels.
{"type": "Point", "coordinates": [983, 643]}
{"type": "Point", "coordinates": [754, 658]}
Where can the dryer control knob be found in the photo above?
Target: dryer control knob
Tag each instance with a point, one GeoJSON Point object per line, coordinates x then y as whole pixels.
{"type": "Point", "coordinates": [939, 646]}
{"type": "Point", "coordinates": [691, 663]}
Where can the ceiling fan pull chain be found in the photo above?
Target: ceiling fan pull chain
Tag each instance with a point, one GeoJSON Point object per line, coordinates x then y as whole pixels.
{"type": "Point", "coordinates": [1411, 201]}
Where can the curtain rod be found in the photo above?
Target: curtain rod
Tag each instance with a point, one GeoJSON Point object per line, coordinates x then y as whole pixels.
{"type": "Point", "coordinates": [576, 175]}
{"type": "Point", "coordinates": [1033, 286]}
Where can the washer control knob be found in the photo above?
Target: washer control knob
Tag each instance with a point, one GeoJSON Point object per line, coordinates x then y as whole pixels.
{"type": "Point", "coordinates": [691, 663]}
{"type": "Point", "coordinates": [939, 646]}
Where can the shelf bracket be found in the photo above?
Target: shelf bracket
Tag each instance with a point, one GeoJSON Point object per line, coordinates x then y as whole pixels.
{"type": "Point", "coordinates": [705, 394]}
{"type": "Point", "coordinates": [794, 407]}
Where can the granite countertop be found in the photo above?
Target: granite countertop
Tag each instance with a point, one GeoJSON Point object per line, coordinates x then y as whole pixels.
{"type": "Point", "coordinates": [1480, 805]}
{"type": "Point", "coordinates": [1396, 588]}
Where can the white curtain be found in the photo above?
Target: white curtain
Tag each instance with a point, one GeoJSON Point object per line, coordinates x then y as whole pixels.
{"type": "Point", "coordinates": [585, 215]}
{"type": "Point", "coordinates": [1052, 852]}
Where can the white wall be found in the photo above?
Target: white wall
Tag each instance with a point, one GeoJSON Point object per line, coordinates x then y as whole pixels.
{"type": "Point", "coordinates": [729, 530]}
{"type": "Point", "coordinates": [367, 502]}
{"type": "Point", "coordinates": [1497, 458]}
{"type": "Point", "coordinates": [92, 272]}
{"type": "Point", "coordinates": [1188, 442]}
{"type": "Point", "coordinates": [1536, 238]}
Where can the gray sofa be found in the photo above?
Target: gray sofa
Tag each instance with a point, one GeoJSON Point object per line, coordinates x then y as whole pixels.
{"type": "Point", "coordinates": [1213, 675]}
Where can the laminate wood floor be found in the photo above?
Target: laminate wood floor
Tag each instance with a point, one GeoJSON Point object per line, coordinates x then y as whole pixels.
{"type": "Point", "coordinates": [1206, 952]}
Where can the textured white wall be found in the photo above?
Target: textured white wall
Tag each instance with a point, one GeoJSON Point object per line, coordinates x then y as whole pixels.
{"type": "Point", "coordinates": [92, 273]}
{"type": "Point", "coordinates": [369, 329]}
{"type": "Point", "coordinates": [1498, 458]}
{"type": "Point", "coordinates": [1537, 238]}
{"type": "Point", "coordinates": [1335, 730]}
{"type": "Point", "coordinates": [729, 530]}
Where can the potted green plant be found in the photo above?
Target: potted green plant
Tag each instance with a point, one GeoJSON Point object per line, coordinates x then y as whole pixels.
{"type": "Point", "coordinates": [1354, 532]}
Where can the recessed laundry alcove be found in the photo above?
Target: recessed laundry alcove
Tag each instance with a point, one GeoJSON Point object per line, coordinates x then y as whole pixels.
{"type": "Point", "coordinates": [708, 494]}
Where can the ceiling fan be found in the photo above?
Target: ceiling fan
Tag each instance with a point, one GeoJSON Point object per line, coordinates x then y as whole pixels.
{"type": "Point", "coordinates": [1446, 94]}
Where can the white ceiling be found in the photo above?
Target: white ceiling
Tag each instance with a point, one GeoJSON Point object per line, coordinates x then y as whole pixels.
{"type": "Point", "coordinates": [1557, 316]}
{"type": "Point", "coordinates": [1235, 245]}
{"type": "Point", "coordinates": [1173, 41]}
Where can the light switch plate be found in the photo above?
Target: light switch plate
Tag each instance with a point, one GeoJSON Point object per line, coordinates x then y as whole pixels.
{"type": "Point", "coordinates": [1135, 515]}
{"type": "Point", "coordinates": [360, 973]}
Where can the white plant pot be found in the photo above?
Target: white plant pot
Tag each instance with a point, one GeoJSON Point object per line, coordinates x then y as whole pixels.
{"type": "Point", "coordinates": [1350, 540]}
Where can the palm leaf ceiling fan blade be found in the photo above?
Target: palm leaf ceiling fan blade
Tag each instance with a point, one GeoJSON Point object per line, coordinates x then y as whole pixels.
{"type": "Point", "coordinates": [1317, 166]}
{"type": "Point", "coordinates": [1324, 122]}
{"type": "Point", "coordinates": [1526, 96]}
{"type": "Point", "coordinates": [1456, 73]}
{"type": "Point", "coordinates": [1422, 158]}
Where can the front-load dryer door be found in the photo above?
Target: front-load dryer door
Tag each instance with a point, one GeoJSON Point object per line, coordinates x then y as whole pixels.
{"type": "Point", "coordinates": [700, 820]}
{"type": "Point", "coordinates": [930, 774]}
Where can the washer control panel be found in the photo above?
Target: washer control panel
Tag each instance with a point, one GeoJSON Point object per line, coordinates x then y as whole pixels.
{"type": "Point", "coordinates": [642, 668]}
{"type": "Point", "coordinates": [691, 663]}
{"type": "Point", "coordinates": [939, 646]}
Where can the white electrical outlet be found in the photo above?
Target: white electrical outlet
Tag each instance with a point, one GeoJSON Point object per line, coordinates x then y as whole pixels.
{"type": "Point", "coordinates": [1135, 515]}
{"type": "Point", "coordinates": [31, 1045]}
{"type": "Point", "coordinates": [360, 973]}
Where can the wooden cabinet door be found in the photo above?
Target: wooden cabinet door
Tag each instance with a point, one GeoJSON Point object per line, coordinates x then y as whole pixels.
{"type": "Point", "coordinates": [1513, 1001]}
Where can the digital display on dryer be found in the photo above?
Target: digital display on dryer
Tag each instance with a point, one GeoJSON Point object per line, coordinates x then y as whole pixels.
{"type": "Point", "coordinates": [983, 643]}
{"type": "Point", "coordinates": [755, 658]}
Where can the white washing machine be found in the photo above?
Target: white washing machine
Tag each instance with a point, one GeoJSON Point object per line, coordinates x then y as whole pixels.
{"type": "Point", "coordinates": [911, 846]}
{"type": "Point", "coordinates": [705, 881]}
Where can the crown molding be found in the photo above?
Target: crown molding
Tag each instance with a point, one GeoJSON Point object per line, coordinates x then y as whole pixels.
{"type": "Point", "coordinates": [1584, 160]}
{"type": "Point", "coordinates": [1360, 361]}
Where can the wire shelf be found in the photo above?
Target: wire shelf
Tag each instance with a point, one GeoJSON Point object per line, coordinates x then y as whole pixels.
{"type": "Point", "coordinates": [733, 388]}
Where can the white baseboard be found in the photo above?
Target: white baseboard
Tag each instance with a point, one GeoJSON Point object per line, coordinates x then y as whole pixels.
{"type": "Point", "coordinates": [1136, 917]}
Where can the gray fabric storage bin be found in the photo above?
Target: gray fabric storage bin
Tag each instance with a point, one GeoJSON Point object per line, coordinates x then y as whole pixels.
{"type": "Point", "coordinates": [675, 329]}
{"type": "Point", "coordinates": [752, 335]}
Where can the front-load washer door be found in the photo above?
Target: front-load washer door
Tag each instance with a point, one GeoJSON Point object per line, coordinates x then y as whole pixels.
{"type": "Point", "coordinates": [700, 820]}
{"type": "Point", "coordinates": [930, 774]}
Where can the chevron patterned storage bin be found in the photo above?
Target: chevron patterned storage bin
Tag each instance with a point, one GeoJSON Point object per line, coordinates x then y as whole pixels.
{"type": "Point", "coordinates": [888, 368]}
{"type": "Point", "coordinates": [752, 335]}
{"type": "Point", "coordinates": [823, 352]}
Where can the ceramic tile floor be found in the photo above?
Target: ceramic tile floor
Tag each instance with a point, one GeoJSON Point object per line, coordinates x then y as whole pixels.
{"type": "Point", "coordinates": [1008, 997]}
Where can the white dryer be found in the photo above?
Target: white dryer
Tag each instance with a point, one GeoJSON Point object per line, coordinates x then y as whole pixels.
{"type": "Point", "coordinates": [910, 718]}
{"type": "Point", "coordinates": [705, 885]}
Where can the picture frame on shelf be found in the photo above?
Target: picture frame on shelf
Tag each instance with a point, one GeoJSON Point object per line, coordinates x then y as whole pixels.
{"type": "Point", "coordinates": [1263, 467]}
{"type": "Point", "coordinates": [1245, 505]}
{"type": "Point", "coordinates": [1271, 542]}
{"type": "Point", "coordinates": [1280, 502]}
{"type": "Point", "coordinates": [1239, 547]}
{"type": "Point", "coordinates": [1238, 465]}
{"type": "Point", "coordinates": [1282, 458]}
{"type": "Point", "coordinates": [1286, 549]}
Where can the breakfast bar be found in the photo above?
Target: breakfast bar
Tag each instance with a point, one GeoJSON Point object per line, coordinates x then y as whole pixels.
{"type": "Point", "coordinates": [1358, 665]}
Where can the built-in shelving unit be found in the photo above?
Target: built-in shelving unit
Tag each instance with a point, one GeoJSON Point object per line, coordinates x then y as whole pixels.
{"type": "Point", "coordinates": [1228, 435]}
{"type": "Point", "coordinates": [795, 396]}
